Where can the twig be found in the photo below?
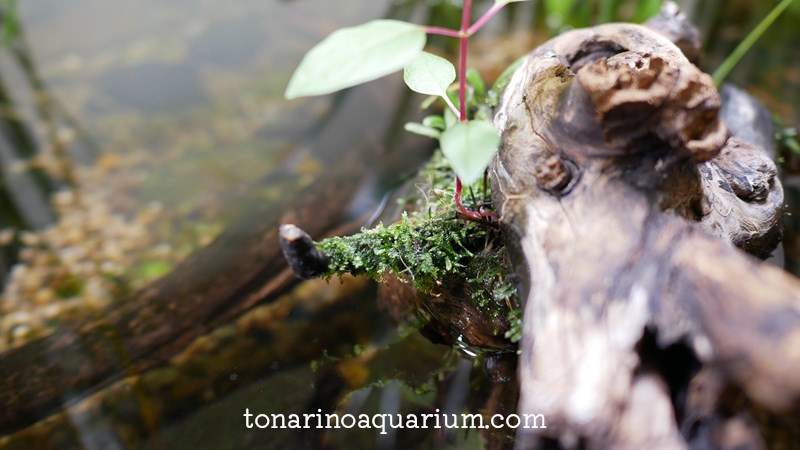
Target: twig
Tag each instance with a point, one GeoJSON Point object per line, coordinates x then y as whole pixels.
{"type": "Point", "coordinates": [303, 255]}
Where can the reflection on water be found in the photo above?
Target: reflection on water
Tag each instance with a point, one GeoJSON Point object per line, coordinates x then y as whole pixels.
{"type": "Point", "coordinates": [144, 139]}
{"type": "Point", "coordinates": [189, 117]}
{"type": "Point", "coordinates": [194, 139]}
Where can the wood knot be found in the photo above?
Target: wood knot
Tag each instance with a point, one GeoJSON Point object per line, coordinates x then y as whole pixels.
{"type": "Point", "coordinates": [552, 174]}
{"type": "Point", "coordinates": [637, 95]}
{"type": "Point", "coordinates": [747, 172]}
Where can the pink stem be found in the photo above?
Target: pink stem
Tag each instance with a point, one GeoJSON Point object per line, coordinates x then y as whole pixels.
{"type": "Point", "coordinates": [443, 31]}
{"type": "Point", "coordinates": [485, 18]}
{"type": "Point", "coordinates": [462, 94]}
{"type": "Point", "coordinates": [462, 70]}
{"type": "Point", "coordinates": [457, 199]}
{"type": "Point", "coordinates": [451, 105]}
{"type": "Point", "coordinates": [462, 209]}
{"type": "Point", "coordinates": [463, 35]}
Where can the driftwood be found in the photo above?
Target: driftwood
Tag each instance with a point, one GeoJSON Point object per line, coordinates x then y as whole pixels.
{"type": "Point", "coordinates": [623, 197]}
{"type": "Point", "coordinates": [621, 192]}
{"type": "Point", "coordinates": [446, 316]}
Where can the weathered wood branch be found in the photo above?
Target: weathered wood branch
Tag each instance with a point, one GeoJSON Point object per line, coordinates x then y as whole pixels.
{"type": "Point", "coordinates": [302, 254]}
{"type": "Point", "coordinates": [628, 260]}
{"type": "Point", "coordinates": [447, 310]}
{"type": "Point", "coordinates": [623, 197]}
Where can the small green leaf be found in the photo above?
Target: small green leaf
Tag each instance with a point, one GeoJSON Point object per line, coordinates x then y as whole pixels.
{"type": "Point", "coordinates": [429, 101]}
{"type": "Point", "coordinates": [476, 81]}
{"type": "Point", "coordinates": [429, 74]}
{"type": "Point", "coordinates": [434, 121]}
{"type": "Point", "coordinates": [557, 12]}
{"type": "Point", "coordinates": [792, 144]}
{"type": "Point", "coordinates": [355, 55]}
{"type": "Point", "coordinates": [450, 118]}
{"type": "Point", "coordinates": [10, 21]}
{"type": "Point", "coordinates": [470, 146]}
{"type": "Point", "coordinates": [646, 10]}
{"type": "Point", "coordinates": [422, 130]}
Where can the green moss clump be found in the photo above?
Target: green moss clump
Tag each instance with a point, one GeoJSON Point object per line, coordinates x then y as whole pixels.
{"type": "Point", "coordinates": [425, 252]}
{"type": "Point", "coordinates": [435, 248]}
{"type": "Point", "coordinates": [514, 334]}
{"type": "Point", "coordinates": [420, 251]}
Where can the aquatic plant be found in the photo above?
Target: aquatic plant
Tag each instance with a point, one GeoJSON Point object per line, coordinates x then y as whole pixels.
{"type": "Point", "coordinates": [355, 55]}
{"type": "Point", "coordinates": [430, 249]}
{"type": "Point", "coordinates": [10, 20]}
{"type": "Point", "coordinates": [736, 55]}
{"type": "Point", "coordinates": [422, 249]}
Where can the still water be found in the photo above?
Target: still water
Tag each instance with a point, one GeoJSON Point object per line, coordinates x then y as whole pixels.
{"type": "Point", "coordinates": [151, 141]}
{"type": "Point", "coordinates": [147, 158]}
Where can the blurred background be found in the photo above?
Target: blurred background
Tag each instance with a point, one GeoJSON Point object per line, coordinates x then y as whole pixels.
{"type": "Point", "coordinates": [135, 133]}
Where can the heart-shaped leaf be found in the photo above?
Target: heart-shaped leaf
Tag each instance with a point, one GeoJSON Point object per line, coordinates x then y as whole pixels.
{"type": "Point", "coordinates": [469, 146]}
{"type": "Point", "coordinates": [355, 55]}
{"type": "Point", "coordinates": [429, 74]}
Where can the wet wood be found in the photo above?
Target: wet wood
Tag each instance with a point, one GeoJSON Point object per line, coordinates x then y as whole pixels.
{"type": "Point", "coordinates": [623, 195]}
{"type": "Point", "coordinates": [629, 192]}
{"type": "Point", "coordinates": [305, 259]}
{"type": "Point", "coordinates": [448, 315]}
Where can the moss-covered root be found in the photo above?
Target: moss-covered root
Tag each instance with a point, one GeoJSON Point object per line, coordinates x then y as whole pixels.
{"type": "Point", "coordinates": [435, 255]}
{"type": "Point", "coordinates": [421, 251]}
{"type": "Point", "coordinates": [428, 252]}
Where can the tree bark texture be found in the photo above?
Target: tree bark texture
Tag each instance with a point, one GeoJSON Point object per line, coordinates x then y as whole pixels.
{"type": "Point", "coordinates": [623, 196]}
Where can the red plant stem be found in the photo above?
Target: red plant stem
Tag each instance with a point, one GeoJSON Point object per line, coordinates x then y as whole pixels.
{"type": "Point", "coordinates": [443, 31]}
{"type": "Point", "coordinates": [462, 91]}
{"type": "Point", "coordinates": [462, 209]}
{"type": "Point", "coordinates": [463, 34]}
{"type": "Point", "coordinates": [462, 69]}
{"type": "Point", "coordinates": [457, 199]}
{"type": "Point", "coordinates": [462, 94]}
{"type": "Point", "coordinates": [485, 18]}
